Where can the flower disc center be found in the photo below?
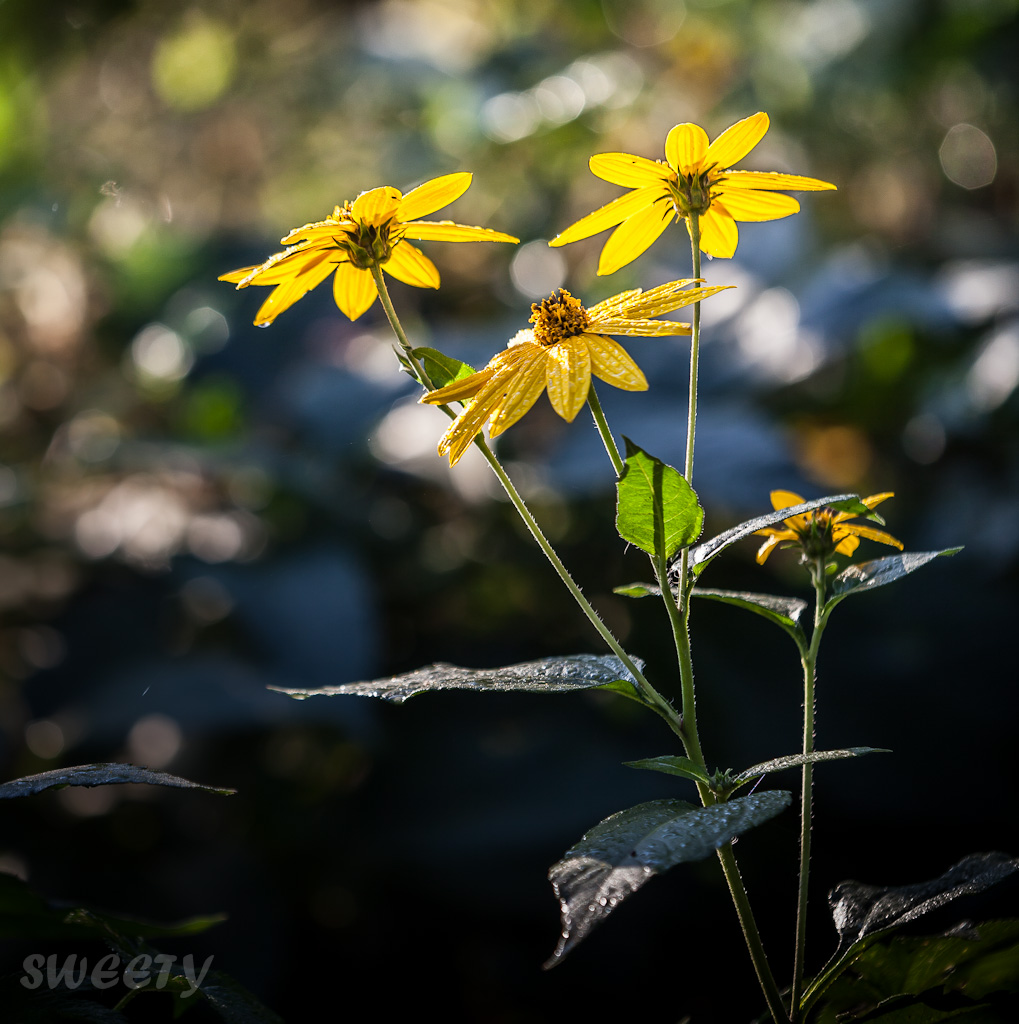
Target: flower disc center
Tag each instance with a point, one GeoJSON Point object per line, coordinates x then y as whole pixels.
{"type": "Point", "coordinates": [558, 317]}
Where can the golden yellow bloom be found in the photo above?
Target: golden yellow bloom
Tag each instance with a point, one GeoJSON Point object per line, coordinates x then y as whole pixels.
{"type": "Point", "coordinates": [822, 532]}
{"type": "Point", "coordinates": [373, 229]}
{"type": "Point", "coordinates": [694, 179]}
{"type": "Point", "coordinates": [567, 344]}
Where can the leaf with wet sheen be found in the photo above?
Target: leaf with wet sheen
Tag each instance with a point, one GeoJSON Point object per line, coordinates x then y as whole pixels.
{"type": "Point", "coordinates": [704, 553]}
{"type": "Point", "coordinates": [855, 579]}
{"type": "Point", "coordinates": [672, 765]}
{"type": "Point", "coordinates": [793, 760]}
{"type": "Point", "coordinates": [616, 857]}
{"type": "Point", "coordinates": [657, 510]}
{"type": "Point", "coordinates": [785, 612]}
{"type": "Point", "coordinates": [547, 675]}
{"type": "Point", "coordinates": [99, 775]}
{"type": "Point", "coordinates": [442, 369]}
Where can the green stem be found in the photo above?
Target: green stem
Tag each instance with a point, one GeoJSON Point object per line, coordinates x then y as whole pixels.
{"type": "Point", "coordinates": [603, 428]}
{"type": "Point", "coordinates": [695, 349]}
{"type": "Point", "coordinates": [809, 661]}
{"type": "Point", "coordinates": [752, 936]}
{"type": "Point", "coordinates": [644, 688]}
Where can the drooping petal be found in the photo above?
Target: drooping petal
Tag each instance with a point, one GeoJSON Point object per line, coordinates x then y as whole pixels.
{"type": "Point", "coordinates": [465, 427]}
{"type": "Point", "coordinates": [750, 204]}
{"type": "Point", "coordinates": [776, 180]}
{"type": "Point", "coordinates": [719, 234]}
{"type": "Point", "coordinates": [568, 376]}
{"type": "Point", "coordinates": [737, 140]}
{"type": "Point", "coordinates": [871, 534]}
{"type": "Point", "coordinates": [285, 294]}
{"type": "Point", "coordinates": [433, 195]}
{"type": "Point", "coordinates": [522, 390]}
{"type": "Point", "coordinates": [354, 290]}
{"type": "Point", "coordinates": [685, 147]}
{"type": "Point", "coordinates": [377, 205]}
{"type": "Point", "coordinates": [629, 170]}
{"type": "Point", "coordinates": [447, 231]}
{"type": "Point", "coordinates": [846, 545]}
{"type": "Point", "coordinates": [611, 214]}
{"type": "Point", "coordinates": [634, 236]}
{"type": "Point", "coordinates": [611, 363]}
{"type": "Point", "coordinates": [411, 266]}
{"type": "Point", "coordinates": [768, 546]}
{"type": "Point", "coordinates": [459, 390]}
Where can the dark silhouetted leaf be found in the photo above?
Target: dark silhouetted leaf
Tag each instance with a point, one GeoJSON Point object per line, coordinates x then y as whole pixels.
{"type": "Point", "coordinates": [785, 612]}
{"type": "Point", "coordinates": [442, 369]}
{"type": "Point", "coordinates": [681, 766]}
{"type": "Point", "coordinates": [855, 579]}
{"type": "Point", "coordinates": [547, 675]}
{"type": "Point", "coordinates": [656, 508]}
{"type": "Point", "coordinates": [704, 553]}
{"type": "Point", "coordinates": [99, 775]}
{"type": "Point", "coordinates": [234, 1003]}
{"type": "Point", "coordinates": [779, 763]}
{"type": "Point", "coordinates": [616, 857]}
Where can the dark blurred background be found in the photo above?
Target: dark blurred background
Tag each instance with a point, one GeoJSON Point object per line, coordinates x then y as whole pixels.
{"type": "Point", "coordinates": [192, 510]}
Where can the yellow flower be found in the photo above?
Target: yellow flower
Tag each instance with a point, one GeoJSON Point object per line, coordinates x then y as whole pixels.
{"type": "Point", "coordinates": [695, 179]}
{"type": "Point", "coordinates": [373, 229]}
{"type": "Point", "coordinates": [823, 531]}
{"type": "Point", "coordinates": [567, 344]}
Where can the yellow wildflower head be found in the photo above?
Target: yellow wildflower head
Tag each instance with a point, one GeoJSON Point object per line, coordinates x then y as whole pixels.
{"type": "Point", "coordinates": [822, 532]}
{"type": "Point", "coordinates": [371, 231]}
{"type": "Point", "coordinates": [694, 179]}
{"type": "Point", "coordinates": [567, 344]}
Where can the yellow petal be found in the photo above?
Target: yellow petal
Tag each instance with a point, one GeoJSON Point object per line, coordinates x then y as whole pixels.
{"type": "Point", "coordinates": [291, 263]}
{"type": "Point", "coordinates": [611, 363]}
{"type": "Point", "coordinates": [666, 298]}
{"type": "Point", "coordinates": [767, 547]}
{"type": "Point", "coordinates": [718, 232]}
{"type": "Point", "coordinates": [377, 205]}
{"type": "Point", "coordinates": [568, 376]}
{"type": "Point", "coordinates": [614, 306]}
{"type": "Point", "coordinates": [642, 328]}
{"type": "Point", "coordinates": [785, 499]}
{"type": "Point", "coordinates": [433, 195]}
{"type": "Point", "coordinates": [354, 290]}
{"type": "Point", "coordinates": [871, 534]}
{"type": "Point", "coordinates": [847, 545]}
{"type": "Point", "coordinates": [522, 390]}
{"type": "Point", "coordinates": [237, 276]}
{"type": "Point", "coordinates": [628, 170]}
{"type": "Point", "coordinates": [465, 427]}
{"type": "Point", "coordinates": [871, 501]}
{"type": "Point", "coordinates": [773, 180]}
{"type": "Point", "coordinates": [749, 204]}
{"type": "Point", "coordinates": [736, 141]}
{"type": "Point", "coordinates": [447, 231]}
{"type": "Point", "coordinates": [634, 236]}
{"type": "Point", "coordinates": [285, 294]}
{"type": "Point", "coordinates": [459, 390]}
{"type": "Point", "coordinates": [318, 231]}
{"type": "Point", "coordinates": [685, 147]}
{"type": "Point", "coordinates": [411, 266]}
{"type": "Point", "coordinates": [611, 214]}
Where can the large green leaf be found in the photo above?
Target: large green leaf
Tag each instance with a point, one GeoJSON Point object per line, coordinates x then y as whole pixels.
{"type": "Point", "coordinates": [442, 369]}
{"type": "Point", "coordinates": [778, 764]}
{"type": "Point", "coordinates": [656, 509]}
{"type": "Point", "coordinates": [864, 914]}
{"type": "Point", "coordinates": [616, 857]}
{"type": "Point", "coordinates": [547, 675]}
{"type": "Point", "coordinates": [98, 775]}
{"type": "Point", "coordinates": [701, 555]}
{"type": "Point", "coordinates": [672, 765]}
{"type": "Point", "coordinates": [855, 579]}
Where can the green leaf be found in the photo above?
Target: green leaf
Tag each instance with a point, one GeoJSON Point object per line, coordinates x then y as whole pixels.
{"type": "Point", "coordinates": [98, 775]}
{"type": "Point", "coordinates": [701, 555]}
{"type": "Point", "coordinates": [785, 612]}
{"type": "Point", "coordinates": [616, 857]}
{"type": "Point", "coordinates": [855, 579]}
{"type": "Point", "coordinates": [442, 369]}
{"type": "Point", "coordinates": [638, 590]}
{"type": "Point", "coordinates": [681, 766]}
{"type": "Point", "coordinates": [864, 914]}
{"type": "Point", "coordinates": [547, 675]}
{"type": "Point", "coordinates": [657, 509]}
{"type": "Point", "coordinates": [24, 913]}
{"type": "Point", "coordinates": [793, 760]}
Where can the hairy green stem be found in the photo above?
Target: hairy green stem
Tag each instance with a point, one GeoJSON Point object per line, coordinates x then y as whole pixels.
{"type": "Point", "coordinates": [603, 429]}
{"type": "Point", "coordinates": [809, 661]}
{"type": "Point", "coordinates": [401, 336]}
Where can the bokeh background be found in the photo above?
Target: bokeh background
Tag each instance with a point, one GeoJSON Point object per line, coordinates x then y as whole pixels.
{"type": "Point", "coordinates": [193, 510]}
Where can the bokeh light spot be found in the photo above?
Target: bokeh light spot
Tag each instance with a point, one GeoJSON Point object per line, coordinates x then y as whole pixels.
{"type": "Point", "coordinates": [968, 157]}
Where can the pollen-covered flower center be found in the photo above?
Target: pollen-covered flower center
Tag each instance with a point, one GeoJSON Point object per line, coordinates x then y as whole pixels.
{"type": "Point", "coordinates": [366, 245]}
{"type": "Point", "coordinates": [558, 317]}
